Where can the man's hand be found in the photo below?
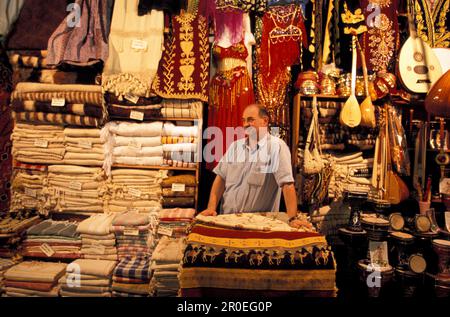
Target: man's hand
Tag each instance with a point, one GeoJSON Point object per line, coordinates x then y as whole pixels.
{"type": "Point", "coordinates": [296, 223]}
{"type": "Point", "coordinates": [209, 213]}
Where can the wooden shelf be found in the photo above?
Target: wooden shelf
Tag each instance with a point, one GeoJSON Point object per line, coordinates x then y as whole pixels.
{"type": "Point", "coordinates": [169, 168]}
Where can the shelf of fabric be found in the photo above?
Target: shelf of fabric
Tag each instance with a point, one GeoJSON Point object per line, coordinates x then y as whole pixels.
{"type": "Point", "coordinates": [170, 168]}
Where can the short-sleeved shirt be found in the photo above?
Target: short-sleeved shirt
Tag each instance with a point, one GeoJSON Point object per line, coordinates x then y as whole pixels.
{"type": "Point", "coordinates": [254, 177]}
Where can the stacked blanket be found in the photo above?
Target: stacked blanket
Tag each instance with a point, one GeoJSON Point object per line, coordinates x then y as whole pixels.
{"type": "Point", "coordinates": [133, 108]}
{"type": "Point", "coordinates": [87, 147]}
{"type": "Point", "coordinates": [34, 143]}
{"type": "Point", "coordinates": [183, 109]}
{"type": "Point", "coordinates": [98, 241]}
{"type": "Point", "coordinates": [175, 222]}
{"type": "Point", "coordinates": [34, 279]}
{"type": "Point", "coordinates": [135, 189]}
{"type": "Point", "coordinates": [28, 189]}
{"type": "Point", "coordinates": [76, 105]}
{"type": "Point", "coordinates": [137, 144]}
{"type": "Point", "coordinates": [56, 240]}
{"type": "Point", "coordinates": [132, 277]}
{"type": "Point", "coordinates": [87, 278]}
{"type": "Point", "coordinates": [166, 265]}
{"type": "Point", "coordinates": [76, 189]}
{"type": "Point", "coordinates": [132, 232]}
{"type": "Point", "coordinates": [220, 261]}
{"type": "Point", "coordinates": [179, 191]}
{"type": "Point", "coordinates": [5, 264]}
{"type": "Point", "coordinates": [180, 145]}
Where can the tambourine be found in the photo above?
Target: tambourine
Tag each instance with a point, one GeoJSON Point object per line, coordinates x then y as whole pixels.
{"type": "Point", "coordinates": [396, 221]}
{"type": "Point", "coordinates": [417, 263]}
{"type": "Point", "coordinates": [422, 223]}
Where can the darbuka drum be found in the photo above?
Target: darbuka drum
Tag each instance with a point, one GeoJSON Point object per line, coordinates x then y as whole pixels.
{"type": "Point", "coordinates": [417, 263]}
{"type": "Point", "coordinates": [407, 282]}
{"type": "Point", "coordinates": [374, 278]}
{"type": "Point", "coordinates": [402, 242]}
{"type": "Point", "coordinates": [396, 221]}
{"type": "Point", "coordinates": [422, 223]}
{"type": "Point", "coordinates": [376, 228]}
{"type": "Point", "coordinates": [442, 249]}
{"type": "Point", "coordinates": [442, 285]}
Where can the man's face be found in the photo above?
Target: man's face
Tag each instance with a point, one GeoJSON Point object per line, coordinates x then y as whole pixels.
{"type": "Point", "coordinates": [254, 125]}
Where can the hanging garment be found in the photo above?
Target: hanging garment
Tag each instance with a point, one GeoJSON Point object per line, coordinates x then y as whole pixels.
{"type": "Point", "coordinates": [9, 11]}
{"type": "Point", "coordinates": [231, 92]}
{"type": "Point", "coordinates": [183, 72]}
{"type": "Point", "coordinates": [432, 21]}
{"type": "Point", "coordinates": [85, 43]}
{"type": "Point", "coordinates": [135, 49]}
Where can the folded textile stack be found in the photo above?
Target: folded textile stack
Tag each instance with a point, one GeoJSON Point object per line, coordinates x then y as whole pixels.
{"type": "Point", "coordinates": [12, 228]}
{"type": "Point", "coordinates": [89, 147]}
{"type": "Point", "coordinates": [137, 144]}
{"type": "Point", "coordinates": [132, 278]}
{"type": "Point", "coordinates": [56, 240]}
{"type": "Point", "coordinates": [28, 188]}
{"type": "Point", "coordinates": [182, 109]}
{"type": "Point", "coordinates": [175, 222]}
{"type": "Point", "coordinates": [33, 279]}
{"type": "Point", "coordinates": [132, 232]}
{"type": "Point", "coordinates": [135, 189]}
{"type": "Point", "coordinates": [5, 264]}
{"type": "Point", "coordinates": [166, 264]}
{"type": "Point", "coordinates": [220, 261]}
{"type": "Point", "coordinates": [87, 278]}
{"type": "Point", "coordinates": [98, 241]}
{"type": "Point", "coordinates": [6, 129]}
{"type": "Point", "coordinates": [41, 144]}
{"type": "Point", "coordinates": [179, 191]}
{"type": "Point", "coordinates": [76, 189]}
{"type": "Point", "coordinates": [329, 219]}
{"type": "Point", "coordinates": [76, 105]}
{"type": "Point", "coordinates": [180, 145]}
{"type": "Point", "coordinates": [133, 108]}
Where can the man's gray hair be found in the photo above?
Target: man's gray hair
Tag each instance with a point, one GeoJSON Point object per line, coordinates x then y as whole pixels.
{"type": "Point", "coordinates": [262, 110]}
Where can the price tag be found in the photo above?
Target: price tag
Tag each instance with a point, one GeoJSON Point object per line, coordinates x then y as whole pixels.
{"type": "Point", "coordinates": [132, 98]}
{"type": "Point", "coordinates": [58, 102]}
{"type": "Point", "coordinates": [139, 45]}
{"type": "Point", "coordinates": [165, 231]}
{"type": "Point", "coordinates": [135, 144]}
{"type": "Point", "coordinates": [41, 143]}
{"type": "Point", "coordinates": [75, 185]}
{"type": "Point", "coordinates": [30, 192]}
{"type": "Point", "coordinates": [29, 203]}
{"type": "Point", "coordinates": [378, 253]}
{"type": "Point", "coordinates": [131, 232]}
{"type": "Point", "coordinates": [178, 187]}
{"type": "Point", "coordinates": [85, 144]}
{"type": "Point", "coordinates": [45, 248]}
{"type": "Point", "coordinates": [137, 115]}
{"type": "Point", "coordinates": [135, 192]}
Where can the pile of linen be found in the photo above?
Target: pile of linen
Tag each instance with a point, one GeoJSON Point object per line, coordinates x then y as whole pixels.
{"type": "Point", "coordinates": [135, 189]}
{"type": "Point", "coordinates": [183, 109]}
{"type": "Point", "coordinates": [133, 108]}
{"type": "Point", "coordinates": [55, 240]}
{"type": "Point", "coordinates": [179, 191]}
{"type": "Point", "coordinates": [132, 231]}
{"type": "Point", "coordinates": [75, 105]}
{"type": "Point", "coordinates": [28, 188]}
{"type": "Point", "coordinates": [33, 279]}
{"type": "Point", "coordinates": [87, 278]}
{"type": "Point", "coordinates": [34, 143]}
{"type": "Point", "coordinates": [180, 145]}
{"type": "Point", "coordinates": [166, 265]}
{"type": "Point", "coordinates": [5, 264]}
{"type": "Point", "coordinates": [175, 222]}
{"type": "Point", "coordinates": [76, 189]}
{"type": "Point", "coordinates": [137, 144]}
{"type": "Point", "coordinates": [132, 277]}
{"type": "Point", "coordinates": [88, 147]}
{"type": "Point", "coordinates": [98, 241]}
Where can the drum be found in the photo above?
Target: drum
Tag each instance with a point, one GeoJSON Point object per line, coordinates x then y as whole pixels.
{"type": "Point", "coordinates": [417, 263]}
{"type": "Point", "coordinates": [407, 282]}
{"type": "Point", "coordinates": [355, 242]}
{"type": "Point", "coordinates": [375, 279]}
{"type": "Point", "coordinates": [422, 223]}
{"type": "Point", "coordinates": [396, 221]}
{"type": "Point", "coordinates": [402, 242]}
{"type": "Point", "coordinates": [442, 249]}
{"type": "Point", "coordinates": [376, 228]}
{"type": "Point", "coordinates": [442, 285]}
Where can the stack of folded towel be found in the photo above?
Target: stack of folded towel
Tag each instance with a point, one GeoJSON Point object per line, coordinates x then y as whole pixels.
{"type": "Point", "coordinates": [41, 144]}
{"type": "Point", "coordinates": [33, 279]}
{"type": "Point", "coordinates": [76, 189]}
{"type": "Point", "coordinates": [179, 191]}
{"type": "Point", "coordinates": [133, 108]}
{"type": "Point", "coordinates": [98, 241]}
{"type": "Point", "coordinates": [5, 264]}
{"type": "Point", "coordinates": [132, 278]}
{"type": "Point", "coordinates": [87, 278]}
{"type": "Point", "coordinates": [175, 222]}
{"type": "Point", "coordinates": [180, 145]}
{"type": "Point", "coordinates": [182, 109]}
{"type": "Point", "coordinates": [56, 240]}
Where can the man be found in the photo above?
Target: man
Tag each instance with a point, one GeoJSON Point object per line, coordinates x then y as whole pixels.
{"type": "Point", "coordinates": [254, 172]}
